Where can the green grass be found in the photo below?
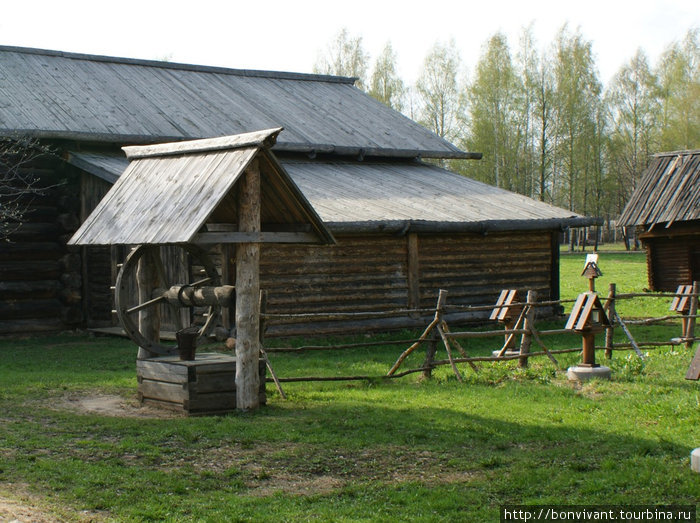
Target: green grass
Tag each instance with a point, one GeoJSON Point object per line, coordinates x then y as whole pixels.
{"type": "Point", "coordinates": [405, 449]}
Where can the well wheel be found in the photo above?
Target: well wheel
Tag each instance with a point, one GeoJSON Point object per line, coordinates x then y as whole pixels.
{"type": "Point", "coordinates": [128, 305]}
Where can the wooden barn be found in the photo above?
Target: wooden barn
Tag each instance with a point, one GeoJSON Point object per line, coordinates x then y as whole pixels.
{"type": "Point", "coordinates": [404, 228]}
{"type": "Point", "coordinates": [665, 209]}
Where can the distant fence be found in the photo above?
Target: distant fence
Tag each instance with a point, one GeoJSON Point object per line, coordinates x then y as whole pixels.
{"type": "Point", "coordinates": [589, 315]}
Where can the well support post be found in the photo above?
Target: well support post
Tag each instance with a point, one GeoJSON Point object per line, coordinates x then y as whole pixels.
{"type": "Point", "coordinates": [248, 293]}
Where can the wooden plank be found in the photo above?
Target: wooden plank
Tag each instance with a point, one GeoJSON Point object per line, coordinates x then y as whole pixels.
{"type": "Point", "coordinates": [159, 371]}
{"type": "Point", "coordinates": [164, 391]}
{"type": "Point", "coordinates": [680, 302]}
{"type": "Point", "coordinates": [575, 311]}
{"type": "Point", "coordinates": [219, 382]}
{"type": "Point", "coordinates": [694, 369]}
{"type": "Point", "coordinates": [584, 318]}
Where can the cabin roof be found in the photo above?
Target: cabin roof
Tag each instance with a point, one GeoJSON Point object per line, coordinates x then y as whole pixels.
{"type": "Point", "coordinates": [183, 192]}
{"type": "Point", "coordinates": [51, 94]}
{"type": "Point", "coordinates": [668, 192]}
{"type": "Point", "coordinates": [351, 196]}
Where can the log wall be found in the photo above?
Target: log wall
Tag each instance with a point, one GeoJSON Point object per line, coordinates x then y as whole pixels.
{"type": "Point", "coordinates": [40, 278]}
{"type": "Point", "coordinates": [673, 257]}
{"type": "Point", "coordinates": [384, 273]}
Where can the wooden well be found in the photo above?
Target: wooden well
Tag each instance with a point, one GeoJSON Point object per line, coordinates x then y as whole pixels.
{"type": "Point", "coordinates": [203, 386]}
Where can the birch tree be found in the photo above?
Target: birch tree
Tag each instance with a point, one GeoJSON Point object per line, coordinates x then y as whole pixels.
{"type": "Point", "coordinates": [386, 84]}
{"type": "Point", "coordinates": [440, 92]}
{"type": "Point", "coordinates": [344, 56]}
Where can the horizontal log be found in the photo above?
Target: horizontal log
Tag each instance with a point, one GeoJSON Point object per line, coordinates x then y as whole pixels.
{"type": "Point", "coordinates": [338, 347]}
{"type": "Point", "coordinates": [31, 326]}
{"type": "Point", "coordinates": [24, 289]}
{"type": "Point", "coordinates": [30, 251]}
{"type": "Point", "coordinates": [29, 270]}
{"type": "Point", "coordinates": [72, 280]}
{"type": "Point", "coordinates": [31, 308]}
{"type": "Point", "coordinates": [71, 262]}
{"type": "Point", "coordinates": [71, 315]}
{"type": "Point", "coordinates": [36, 232]}
{"type": "Point", "coordinates": [255, 237]}
{"type": "Point", "coordinates": [186, 296]}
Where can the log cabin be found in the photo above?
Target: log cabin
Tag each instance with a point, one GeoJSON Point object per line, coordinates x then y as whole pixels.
{"type": "Point", "coordinates": [665, 210]}
{"type": "Point", "coordinates": [404, 226]}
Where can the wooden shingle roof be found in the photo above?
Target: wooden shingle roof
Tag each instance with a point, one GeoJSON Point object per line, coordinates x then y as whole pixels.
{"type": "Point", "coordinates": [669, 191]}
{"type": "Point", "coordinates": [185, 192]}
{"type": "Point", "coordinates": [394, 197]}
{"type": "Point", "coordinates": [51, 94]}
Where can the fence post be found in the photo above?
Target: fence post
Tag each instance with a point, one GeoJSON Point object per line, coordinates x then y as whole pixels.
{"type": "Point", "coordinates": [430, 355]}
{"type": "Point", "coordinates": [610, 330]}
{"type": "Point", "coordinates": [692, 312]}
{"type": "Point", "coordinates": [526, 339]}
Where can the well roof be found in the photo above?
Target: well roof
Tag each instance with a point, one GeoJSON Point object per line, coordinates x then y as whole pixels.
{"type": "Point", "coordinates": [179, 192]}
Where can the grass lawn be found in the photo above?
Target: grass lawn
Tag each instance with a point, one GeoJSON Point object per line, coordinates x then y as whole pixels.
{"type": "Point", "coordinates": [404, 449]}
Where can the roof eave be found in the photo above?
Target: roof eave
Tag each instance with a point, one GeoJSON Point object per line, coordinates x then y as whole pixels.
{"type": "Point", "coordinates": [280, 146]}
{"type": "Point", "coordinates": [402, 227]}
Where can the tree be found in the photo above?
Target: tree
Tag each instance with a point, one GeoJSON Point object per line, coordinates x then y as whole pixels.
{"type": "Point", "coordinates": [634, 110]}
{"type": "Point", "coordinates": [678, 73]}
{"type": "Point", "coordinates": [493, 118]}
{"type": "Point", "coordinates": [539, 88]}
{"type": "Point", "coordinates": [577, 100]}
{"type": "Point", "coordinates": [17, 184]}
{"type": "Point", "coordinates": [439, 91]}
{"type": "Point", "coordinates": [386, 84]}
{"type": "Point", "coordinates": [344, 56]}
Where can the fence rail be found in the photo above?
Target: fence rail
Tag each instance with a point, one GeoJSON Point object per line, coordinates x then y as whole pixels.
{"type": "Point", "coordinates": [520, 322]}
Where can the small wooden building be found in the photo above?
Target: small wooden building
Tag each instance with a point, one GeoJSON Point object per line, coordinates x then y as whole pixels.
{"type": "Point", "coordinates": [665, 209]}
{"type": "Point", "coordinates": [405, 228]}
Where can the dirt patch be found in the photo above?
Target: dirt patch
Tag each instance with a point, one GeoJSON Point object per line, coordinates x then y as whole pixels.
{"type": "Point", "coordinates": [17, 506]}
{"type": "Point", "coordinates": [114, 406]}
{"type": "Point", "coordinates": [11, 511]}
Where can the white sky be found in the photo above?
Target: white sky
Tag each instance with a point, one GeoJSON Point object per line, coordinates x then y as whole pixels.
{"type": "Point", "coordinates": [288, 35]}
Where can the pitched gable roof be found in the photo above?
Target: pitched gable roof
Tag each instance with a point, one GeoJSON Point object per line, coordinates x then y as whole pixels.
{"type": "Point", "coordinates": [117, 100]}
{"type": "Point", "coordinates": [169, 192]}
{"type": "Point", "coordinates": [668, 192]}
{"type": "Point", "coordinates": [393, 197]}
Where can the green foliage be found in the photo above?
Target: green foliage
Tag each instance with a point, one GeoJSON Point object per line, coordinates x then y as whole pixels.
{"type": "Point", "coordinates": [386, 84]}
{"type": "Point", "coordinates": [344, 56]}
{"type": "Point", "coordinates": [546, 126]}
{"type": "Point", "coordinates": [493, 126]}
{"type": "Point", "coordinates": [440, 92]}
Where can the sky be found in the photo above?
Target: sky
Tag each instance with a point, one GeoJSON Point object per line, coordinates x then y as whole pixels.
{"type": "Point", "coordinates": [289, 35]}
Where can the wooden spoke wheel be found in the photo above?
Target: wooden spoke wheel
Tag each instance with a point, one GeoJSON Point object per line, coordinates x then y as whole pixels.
{"type": "Point", "coordinates": [141, 294]}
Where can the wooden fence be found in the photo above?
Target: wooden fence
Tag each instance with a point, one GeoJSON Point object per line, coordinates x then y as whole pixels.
{"type": "Point", "coordinates": [519, 319]}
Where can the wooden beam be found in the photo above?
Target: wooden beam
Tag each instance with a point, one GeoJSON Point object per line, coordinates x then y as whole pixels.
{"type": "Point", "coordinates": [248, 293]}
{"type": "Point", "coordinates": [254, 237]}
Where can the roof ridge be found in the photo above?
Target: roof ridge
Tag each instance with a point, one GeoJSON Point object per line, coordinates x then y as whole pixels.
{"type": "Point", "coordinates": [282, 75]}
{"type": "Point", "coordinates": [678, 153]}
{"type": "Point", "coordinates": [264, 138]}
